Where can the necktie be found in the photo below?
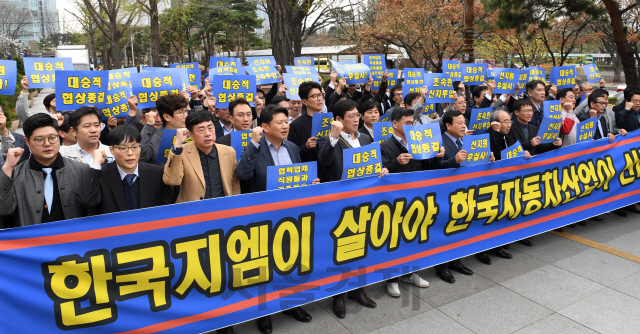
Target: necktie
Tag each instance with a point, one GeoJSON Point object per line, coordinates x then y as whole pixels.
{"type": "Point", "coordinates": [48, 187]}
{"type": "Point", "coordinates": [600, 127]}
{"type": "Point", "coordinates": [129, 178]}
{"type": "Point", "coordinates": [459, 143]}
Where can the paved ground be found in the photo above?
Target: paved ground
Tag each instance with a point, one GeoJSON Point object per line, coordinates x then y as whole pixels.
{"type": "Point", "coordinates": [556, 286]}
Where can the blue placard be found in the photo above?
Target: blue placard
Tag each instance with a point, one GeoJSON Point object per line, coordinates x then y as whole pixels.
{"type": "Point", "coordinates": [424, 141]}
{"type": "Point", "coordinates": [302, 70]}
{"type": "Point", "coordinates": [361, 162]}
{"type": "Point", "coordinates": [41, 71]}
{"type": "Point", "coordinates": [512, 151]}
{"type": "Point", "coordinates": [293, 82]}
{"type": "Point", "coordinates": [240, 140]}
{"type": "Point", "coordinates": [376, 63]}
{"type": "Point", "coordinates": [586, 129]}
{"type": "Point", "coordinates": [382, 131]}
{"type": "Point", "coordinates": [75, 89]}
{"type": "Point", "coordinates": [321, 124]}
{"type": "Point", "coordinates": [291, 176]}
{"type": "Point", "coordinates": [150, 86]}
{"type": "Point", "coordinates": [115, 103]}
{"type": "Point", "coordinates": [193, 73]}
{"type": "Point", "coordinates": [8, 77]}
{"type": "Point", "coordinates": [265, 74]}
{"type": "Point", "coordinates": [478, 149]}
{"type": "Point", "coordinates": [592, 73]}
{"type": "Point", "coordinates": [224, 61]}
{"type": "Point", "coordinates": [536, 73]}
{"type": "Point", "coordinates": [440, 88]}
{"type": "Point", "coordinates": [506, 80]}
{"type": "Point", "coordinates": [522, 79]}
{"type": "Point", "coordinates": [227, 88]}
{"type": "Point", "coordinates": [166, 142]}
{"type": "Point", "coordinates": [490, 74]}
{"type": "Point", "coordinates": [392, 77]}
{"type": "Point", "coordinates": [122, 78]}
{"type": "Point", "coordinates": [480, 120]}
{"type": "Point", "coordinates": [452, 68]}
{"type": "Point", "coordinates": [224, 70]}
{"type": "Point", "coordinates": [260, 61]}
{"type": "Point", "coordinates": [355, 73]}
{"type": "Point", "coordinates": [551, 122]}
{"type": "Point", "coordinates": [429, 110]}
{"type": "Point", "coordinates": [304, 61]}
{"type": "Point", "coordinates": [413, 81]}
{"type": "Point", "coordinates": [583, 97]}
{"type": "Point", "coordinates": [563, 76]}
{"type": "Point", "coordinates": [474, 74]}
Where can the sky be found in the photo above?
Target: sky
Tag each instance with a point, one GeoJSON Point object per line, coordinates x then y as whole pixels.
{"type": "Point", "coordinates": [64, 16]}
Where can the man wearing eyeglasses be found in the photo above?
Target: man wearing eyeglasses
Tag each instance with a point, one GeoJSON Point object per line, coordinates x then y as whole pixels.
{"type": "Point", "coordinates": [127, 184]}
{"type": "Point", "coordinates": [43, 189]}
{"type": "Point", "coordinates": [522, 130]}
{"type": "Point", "coordinates": [300, 131]}
{"type": "Point", "coordinates": [629, 118]}
{"type": "Point", "coordinates": [85, 125]}
{"type": "Point", "coordinates": [173, 113]}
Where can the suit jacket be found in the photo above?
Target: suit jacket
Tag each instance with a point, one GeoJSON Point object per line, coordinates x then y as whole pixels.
{"type": "Point", "coordinates": [224, 140]}
{"type": "Point", "coordinates": [498, 143]}
{"type": "Point", "coordinates": [392, 148]}
{"type": "Point", "coordinates": [150, 144]}
{"type": "Point", "coordinates": [612, 126]}
{"type": "Point", "coordinates": [627, 119]}
{"type": "Point", "coordinates": [109, 196]}
{"type": "Point", "coordinates": [219, 130]}
{"type": "Point", "coordinates": [363, 130]}
{"type": "Point", "coordinates": [450, 151]}
{"type": "Point", "coordinates": [516, 134]}
{"type": "Point", "coordinates": [18, 142]}
{"type": "Point", "coordinates": [299, 133]}
{"type": "Point", "coordinates": [254, 162]}
{"type": "Point", "coordinates": [330, 157]}
{"type": "Point", "coordinates": [620, 106]}
{"type": "Point", "coordinates": [185, 170]}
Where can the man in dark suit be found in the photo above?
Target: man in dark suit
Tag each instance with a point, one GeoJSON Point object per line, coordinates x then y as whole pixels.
{"type": "Point", "coordinates": [300, 131]}
{"type": "Point", "coordinates": [344, 135]}
{"type": "Point", "coordinates": [481, 97]}
{"type": "Point", "coordinates": [223, 124]}
{"type": "Point", "coordinates": [536, 92]}
{"type": "Point", "coordinates": [240, 115]}
{"type": "Point", "coordinates": [522, 130]}
{"type": "Point", "coordinates": [627, 97]}
{"type": "Point", "coordinates": [173, 113]}
{"type": "Point", "coordinates": [127, 184]}
{"type": "Point", "coordinates": [629, 117]}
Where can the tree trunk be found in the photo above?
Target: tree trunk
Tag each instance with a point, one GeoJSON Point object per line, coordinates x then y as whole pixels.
{"type": "Point", "coordinates": [92, 48]}
{"type": "Point", "coordinates": [285, 34]}
{"type": "Point", "coordinates": [105, 52]}
{"type": "Point", "coordinates": [155, 31]}
{"type": "Point", "coordinates": [180, 43]}
{"type": "Point", "coordinates": [116, 54]}
{"type": "Point", "coordinates": [617, 68]}
{"type": "Point", "coordinates": [620, 37]}
{"type": "Point", "coordinates": [469, 31]}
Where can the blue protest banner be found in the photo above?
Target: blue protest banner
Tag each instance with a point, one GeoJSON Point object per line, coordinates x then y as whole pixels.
{"type": "Point", "coordinates": [260, 61]}
{"type": "Point", "coordinates": [166, 142]}
{"type": "Point", "coordinates": [506, 80]}
{"type": "Point", "coordinates": [551, 122]}
{"type": "Point", "coordinates": [122, 78]}
{"type": "Point", "coordinates": [150, 86]}
{"type": "Point", "coordinates": [440, 88]}
{"type": "Point", "coordinates": [224, 70]}
{"type": "Point", "coordinates": [424, 141]}
{"type": "Point", "coordinates": [478, 149]}
{"type": "Point", "coordinates": [385, 117]}
{"type": "Point", "coordinates": [592, 73]}
{"type": "Point", "coordinates": [302, 70]}
{"type": "Point", "coordinates": [355, 73]}
{"type": "Point", "coordinates": [413, 81]}
{"type": "Point", "coordinates": [224, 61]}
{"type": "Point", "coordinates": [291, 176]}
{"type": "Point", "coordinates": [240, 140]}
{"type": "Point", "coordinates": [376, 63]}
{"type": "Point", "coordinates": [8, 77]}
{"type": "Point", "coordinates": [321, 124]}
{"type": "Point", "coordinates": [524, 75]}
{"type": "Point", "coordinates": [480, 120]}
{"type": "Point", "coordinates": [346, 62]}
{"type": "Point", "coordinates": [392, 76]}
{"type": "Point", "coordinates": [304, 61]}
{"type": "Point", "coordinates": [193, 72]}
{"type": "Point", "coordinates": [265, 74]}
{"type": "Point", "coordinates": [227, 88]}
{"type": "Point", "coordinates": [115, 103]}
{"type": "Point", "coordinates": [512, 151]}
{"type": "Point", "coordinates": [586, 130]}
{"type": "Point", "coordinates": [452, 68]}
{"type": "Point", "coordinates": [474, 74]}
{"type": "Point", "coordinates": [563, 76]}
{"type": "Point", "coordinates": [41, 71]}
{"type": "Point", "coordinates": [429, 110]}
{"type": "Point", "coordinates": [536, 73]}
{"type": "Point", "coordinates": [76, 89]}
{"type": "Point", "coordinates": [312, 248]}
{"type": "Point", "coordinates": [361, 161]}
{"type": "Point", "coordinates": [490, 74]}
{"type": "Point", "coordinates": [293, 82]}
{"type": "Point", "coordinates": [382, 131]}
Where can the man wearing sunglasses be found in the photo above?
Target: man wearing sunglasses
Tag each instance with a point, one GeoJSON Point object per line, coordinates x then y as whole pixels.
{"type": "Point", "coordinates": [127, 184]}
{"type": "Point", "coordinates": [43, 189]}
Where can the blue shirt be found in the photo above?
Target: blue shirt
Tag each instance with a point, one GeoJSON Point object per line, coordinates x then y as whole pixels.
{"type": "Point", "coordinates": [454, 140]}
{"type": "Point", "coordinates": [281, 156]}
